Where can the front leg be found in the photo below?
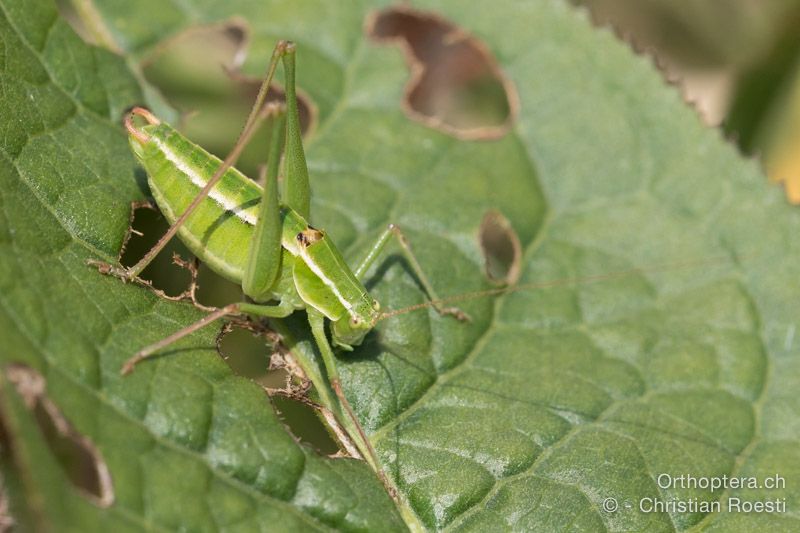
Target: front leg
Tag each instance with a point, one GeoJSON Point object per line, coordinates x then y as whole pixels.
{"type": "Point", "coordinates": [317, 322]}
{"type": "Point", "coordinates": [405, 248]}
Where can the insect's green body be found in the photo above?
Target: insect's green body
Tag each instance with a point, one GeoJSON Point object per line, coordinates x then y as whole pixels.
{"type": "Point", "coordinates": [220, 230]}
{"type": "Point", "coordinates": [261, 239]}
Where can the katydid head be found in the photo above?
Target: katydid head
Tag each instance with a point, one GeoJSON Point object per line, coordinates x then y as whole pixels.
{"type": "Point", "coordinates": [351, 329]}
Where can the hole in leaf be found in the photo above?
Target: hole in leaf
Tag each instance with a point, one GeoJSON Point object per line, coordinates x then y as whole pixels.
{"type": "Point", "coordinates": [456, 84]}
{"type": "Point", "coordinates": [77, 455]}
{"type": "Point", "coordinates": [305, 425]}
{"type": "Point", "coordinates": [248, 355]}
{"type": "Point", "coordinates": [168, 274]}
{"type": "Point", "coordinates": [147, 226]}
{"type": "Point", "coordinates": [502, 252]}
{"type": "Point", "coordinates": [198, 72]}
{"type": "Point", "coordinates": [214, 290]}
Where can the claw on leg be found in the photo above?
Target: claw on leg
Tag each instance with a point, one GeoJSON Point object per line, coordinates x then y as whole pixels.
{"type": "Point", "coordinates": [128, 366]}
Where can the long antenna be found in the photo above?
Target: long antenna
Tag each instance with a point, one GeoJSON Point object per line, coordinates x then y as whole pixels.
{"type": "Point", "coordinates": [609, 276]}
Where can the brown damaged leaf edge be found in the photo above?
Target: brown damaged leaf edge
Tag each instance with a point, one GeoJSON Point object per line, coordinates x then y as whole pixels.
{"type": "Point", "coordinates": [446, 63]}
{"type": "Point", "coordinates": [502, 251]}
{"type": "Point", "coordinates": [82, 462]}
{"type": "Point", "coordinates": [236, 32]}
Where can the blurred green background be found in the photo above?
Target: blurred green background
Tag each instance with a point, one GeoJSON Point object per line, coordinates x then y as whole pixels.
{"type": "Point", "coordinates": [736, 61]}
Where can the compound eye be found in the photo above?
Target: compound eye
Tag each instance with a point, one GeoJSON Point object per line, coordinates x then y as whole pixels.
{"type": "Point", "coordinates": [376, 305]}
{"type": "Point", "coordinates": [355, 321]}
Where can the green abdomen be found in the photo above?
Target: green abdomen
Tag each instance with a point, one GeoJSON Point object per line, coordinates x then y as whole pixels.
{"type": "Point", "coordinates": [220, 229]}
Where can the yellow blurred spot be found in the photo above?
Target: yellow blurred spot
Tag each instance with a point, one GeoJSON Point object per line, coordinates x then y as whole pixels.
{"type": "Point", "coordinates": [786, 169]}
{"type": "Point", "coordinates": [782, 152]}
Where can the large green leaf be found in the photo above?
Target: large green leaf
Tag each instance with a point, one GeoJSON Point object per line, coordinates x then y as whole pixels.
{"type": "Point", "coordinates": [549, 402]}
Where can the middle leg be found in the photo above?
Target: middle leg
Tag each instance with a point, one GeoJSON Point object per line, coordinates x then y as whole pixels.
{"type": "Point", "coordinates": [405, 248]}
